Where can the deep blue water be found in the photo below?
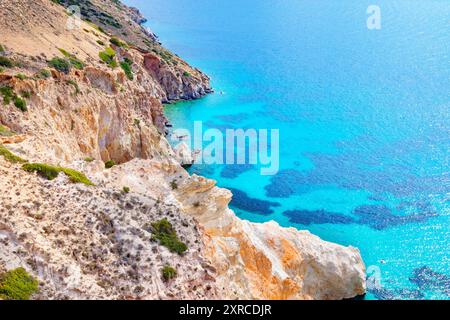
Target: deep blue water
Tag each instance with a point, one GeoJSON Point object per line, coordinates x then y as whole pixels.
{"type": "Point", "coordinates": [364, 120]}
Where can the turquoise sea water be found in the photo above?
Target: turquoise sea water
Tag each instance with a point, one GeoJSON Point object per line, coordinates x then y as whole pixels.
{"type": "Point", "coordinates": [364, 120]}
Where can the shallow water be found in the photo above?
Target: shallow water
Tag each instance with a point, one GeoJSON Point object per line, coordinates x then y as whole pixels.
{"type": "Point", "coordinates": [363, 117]}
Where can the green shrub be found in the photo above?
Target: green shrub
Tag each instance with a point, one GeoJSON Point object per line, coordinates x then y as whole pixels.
{"type": "Point", "coordinates": [17, 284]}
{"type": "Point", "coordinates": [74, 61]}
{"type": "Point", "coordinates": [186, 74]}
{"type": "Point", "coordinates": [126, 67]}
{"type": "Point", "coordinates": [115, 41]}
{"type": "Point", "coordinates": [126, 189]}
{"type": "Point", "coordinates": [108, 56]}
{"type": "Point", "coordinates": [60, 64]}
{"type": "Point", "coordinates": [20, 103]}
{"type": "Point", "coordinates": [9, 156]}
{"type": "Point", "coordinates": [89, 159]}
{"type": "Point", "coordinates": [8, 94]}
{"type": "Point", "coordinates": [169, 273]}
{"type": "Point", "coordinates": [2, 49]}
{"type": "Point", "coordinates": [44, 74]}
{"type": "Point", "coordinates": [44, 170]}
{"type": "Point", "coordinates": [166, 235]}
{"type": "Point", "coordinates": [174, 185]}
{"type": "Point", "coordinates": [25, 94]}
{"type": "Point", "coordinates": [6, 62]}
{"type": "Point", "coordinates": [51, 172]}
{"type": "Point", "coordinates": [109, 164]}
{"type": "Point", "coordinates": [76, 176]}
{"type": "Point", "coordinates": [2, 69]}
{"type": "Point", "coordinates": [21, 76]}
{"type": "Point", "coordinates": [75, 85]}
{"type": "Point", "coordinates": [100, 42]}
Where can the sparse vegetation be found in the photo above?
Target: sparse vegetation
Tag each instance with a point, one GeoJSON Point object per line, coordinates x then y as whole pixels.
{"type": "Point", "coordinates": [76, 176]}
{"type": "Point", "coordinates": [6, 62]}
{"type": "Point", "coordinates": [166, 235]}
{"type": "Point", "coordinates": [21, 76]}
{"type": "Point", "coordinates": [7, 93]}
{"type": "Point", "coordinates": [44, 170]}
{"type": "Point", "coordinates": [2, 49]}
{"type": "Point", "coordinates": [17, 284]}
{"type": "Point", "coordinates": [100, 42]}
{"type": "Point", "coordinates": [174, 185]}
{"type": "Point", "coordinates": [126, 67]}
{"type": "Point", "coordinates": [89, 159]}
{"type": "Point", "coordinates": [60, 64]}
{"type": "Point", "coordinates": [126, 189]}
{"type": "Point", "coordinates": [5, 132]}
{"type": "Point", "coordinates": [51, 172]}
{"type": "Point", "coordinates": [75, 85]}
{"type": "Point", "coordinates": [9, 156]}
{"type": "Point", "coordinates": [169, 273]}
{"type": "Point", "coordinates": [25, 94]}
{"type": "Point", "coordinates": [115, 41]}
{"type": "Point", "coordinates": [20, 103]}
{"type": "Point", "coordinates": [186, 74]}
{"type": "Point", "coordinates": [44, 74]}
{"type": "Point", "coordinates": [109, 164]}
{"type": "Point", "coordinates": [74, 61]}
{"type": "Point", "coordinates": [108, 56]}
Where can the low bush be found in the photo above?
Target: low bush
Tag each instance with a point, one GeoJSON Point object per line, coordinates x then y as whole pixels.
{"type": "Point", "coordinates": [74, 61]}
{"type": "Point", "coordinates": [20, 103]}
{"type": "Point", "coordinates": [109, 164]}
{"type": "Point", "coordinates": [7, 93]}
{"type": "Point", "coordinates": [60, 64]}
{"type": "Point", "coordinates": [17, 284]}
{"type": "Point", "coordinates": [166, 235]}
{"type": "Point", "coordinates": [169, 273]}
{"type": "Point", "coordinates": [44, 74]}
{"type": "Point", "coordinates": [21, 76]}
{"type": "Point", "coordinates": [6, 62]}
{"type": "Point", "coordinates": [9, 156]}
{"type": "Point", "coordinates": [108, 56]}
{"type": "Point", "coordinates": [115, 41]}
{"type": "Point", "coordinates": [126, 67]}
{"type": "Point", "coordinates": [126, 189]}
{"type": "Point", "coordinates": [51, 172]}
{"type": "Point", "coordinates": [76, 176]}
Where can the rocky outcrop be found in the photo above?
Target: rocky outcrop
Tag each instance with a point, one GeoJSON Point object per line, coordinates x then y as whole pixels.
{"type": "Point", "coordinates": [266, 261]}
{"type": "Point", "coordinates": [184, 154]}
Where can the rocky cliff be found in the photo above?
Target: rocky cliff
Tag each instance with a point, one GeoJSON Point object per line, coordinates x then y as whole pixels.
{"type": "Point", "coordinates": [77, 98]}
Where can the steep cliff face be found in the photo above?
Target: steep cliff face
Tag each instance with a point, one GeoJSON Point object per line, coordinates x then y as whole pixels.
{"type": "Point", "coordinates": [101, 100]}
{"type": "Point", "coordinates": [266, 261]}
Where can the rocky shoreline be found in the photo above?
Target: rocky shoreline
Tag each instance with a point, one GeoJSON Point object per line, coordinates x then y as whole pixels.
{"type": "Point", "coordinates": [90, 100]}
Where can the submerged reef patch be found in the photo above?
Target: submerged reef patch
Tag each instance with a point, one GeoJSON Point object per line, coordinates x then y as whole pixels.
{"type": "Point", "coordinates": [242, 201]}
{"type": "Point", "coordinates": [377, 217]}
